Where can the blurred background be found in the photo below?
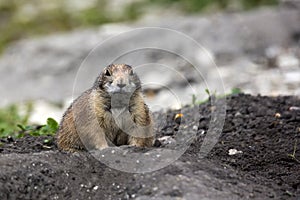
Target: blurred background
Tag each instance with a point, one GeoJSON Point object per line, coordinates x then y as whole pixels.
{"type": "Point", "coordinates": [254, 43]}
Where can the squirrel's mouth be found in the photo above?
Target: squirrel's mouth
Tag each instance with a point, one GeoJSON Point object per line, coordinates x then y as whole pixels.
{"type": "Point", "coordinates": [120, 90]}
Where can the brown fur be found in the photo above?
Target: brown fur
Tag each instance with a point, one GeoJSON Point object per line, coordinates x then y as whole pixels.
{"type": "Point", "coordinates": [89, 122]}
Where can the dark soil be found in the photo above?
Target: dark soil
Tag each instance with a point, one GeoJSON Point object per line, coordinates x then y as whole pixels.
{"type": "Point", "coordinates": [265, 129]}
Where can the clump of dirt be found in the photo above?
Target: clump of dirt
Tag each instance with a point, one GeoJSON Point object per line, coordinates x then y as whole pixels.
{"type": "Point", "coordinates": [27, 144]}
{"type": "Point", "coordinates": [267, 132]}
{"type": "Point", "coordinates": [257, 157]}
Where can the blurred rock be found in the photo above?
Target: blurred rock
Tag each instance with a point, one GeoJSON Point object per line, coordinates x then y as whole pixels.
{"type": "Point", "coordinates": [43, 110]}
{"type": "Point", "coordinates": [288, 61]}
{"type": "Point", "coordinates": [46, 68]}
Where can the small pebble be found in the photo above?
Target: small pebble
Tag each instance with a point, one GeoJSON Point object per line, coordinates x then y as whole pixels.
{"type": "Point", "coordinates": [233, 152]}
{"type": "Point", "coordinates": [277, 115]}
{"type": "Point", "coordinates": [201, 132]}
{"type": "Point", "coordinates": [294, 108]}
{"type": "Point", "coordinates": [164, 138]}
{"type": "Point", "coordinates": [195, 127]}
{"type": "Point", "coordinates": [238, 114]}
{"type": "Point", "coordinates": [95, 187]}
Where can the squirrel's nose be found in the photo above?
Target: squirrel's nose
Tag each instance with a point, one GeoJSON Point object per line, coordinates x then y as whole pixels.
{"type": "Point", "coordinates": [121, 85]}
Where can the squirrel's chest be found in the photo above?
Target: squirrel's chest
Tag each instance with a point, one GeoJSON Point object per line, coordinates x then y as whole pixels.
{"type": "Point", "coordinates": [122, 119]}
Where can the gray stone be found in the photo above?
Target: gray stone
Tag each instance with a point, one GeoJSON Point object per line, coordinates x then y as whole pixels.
{"type": "Point", "coordinates": [46, 68]}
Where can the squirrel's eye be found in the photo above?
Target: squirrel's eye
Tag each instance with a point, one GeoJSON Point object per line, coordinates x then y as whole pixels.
{"type": "Point", "coordinates": [131, 72]}
{"type": "Point", "coordinates": [107, 73]}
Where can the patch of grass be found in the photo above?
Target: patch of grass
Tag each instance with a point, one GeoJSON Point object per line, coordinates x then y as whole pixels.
{"type": "Point", "coordinates": [134, 10]}
{"type": "Point", "coordinates": [10, 116]}
{"type": "Point", "coordinates": [48, 129]}
{"type": "Point", "coordinates": [14, 123]}
{"type": "Point", "coordinates": [14, 25]}
{"type": "Point", "coordinates": [92, 16]}
{"type": "Point", "coordinates": [194, 99]}
{"type": "Point", "coordinates": [293, 155]}
{"type": "Point", "coordinates": [198, 102]}
{"type": "Point", "coordinates": [214, 95]}
{"type": "Point", "coordinates": [255, 3]}
{"type": "Point", "coordinates": [196, 6]}
{"type": "Point", "coordinates": [236, 91]}
{"type": "Point", "coordinates": [43, 17]}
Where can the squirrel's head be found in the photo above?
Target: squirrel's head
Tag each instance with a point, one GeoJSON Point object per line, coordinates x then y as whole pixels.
{"type": "Point", "coordinates": [118, 78]}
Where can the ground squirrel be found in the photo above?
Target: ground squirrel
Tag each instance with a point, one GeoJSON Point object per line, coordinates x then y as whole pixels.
{"type": "Point", "coordinates": [112, 112]}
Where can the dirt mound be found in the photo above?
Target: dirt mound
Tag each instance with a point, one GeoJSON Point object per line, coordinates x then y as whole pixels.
{"type": "Point", "coordinates": [262, 133]}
